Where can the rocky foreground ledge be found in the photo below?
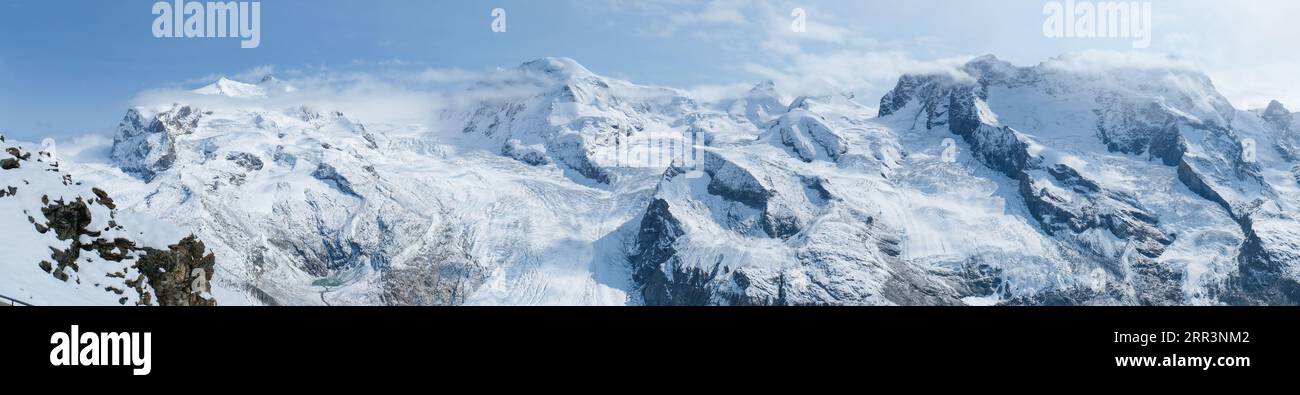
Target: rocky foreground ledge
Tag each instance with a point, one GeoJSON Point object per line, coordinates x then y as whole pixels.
{"type": "Point", "coordinates": [65, 245]}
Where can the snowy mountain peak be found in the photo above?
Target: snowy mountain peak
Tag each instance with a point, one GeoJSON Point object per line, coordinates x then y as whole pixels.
{"type": "Point", "coordinates": [1276, 109]}
{"type": "Point", "coordinates": [765, 88]}
{"type": "Point", "coordinates": [231, 88]}
{"type": "Point", "coordinates": [799, 103]}
{"type": "Point", "coordinates": [763, 102]}
{"type": "Point", "coordinates": [557, 67]}
{"type": "Point", "coordinates": [990, 67]}
{"type": "Point", "coordinates": [265, 86]}
{"type": "Point", "coordinates": [1277, 115]}
{"type": "Point", "coordinates": [272, 85]}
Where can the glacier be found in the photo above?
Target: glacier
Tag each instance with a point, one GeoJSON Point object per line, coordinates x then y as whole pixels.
{"type": "Point", "coordinates": [992, 184]}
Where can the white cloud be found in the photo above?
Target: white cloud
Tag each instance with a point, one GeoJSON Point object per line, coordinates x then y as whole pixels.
{"type": "Point", "coordinates": [1101, 61]}
{"type": "Point", "coordinates": [438, 76]}
{"type": "Point", "coordinates": [251, 75]}
{"type": "Point", "coordinates": [89, 148]}
{"type": "Point", "coordinates": [716, 12]}
{"type": "Point", "coordinates": [719, 92]}
{"type": "Point", "coordinates": [1254, 85]}
{"type": "Point", "coordinates": [255, 74]}
{"type": "Point", "coordinates": [367, 97]}
{"type": "Point", "coordinates": [828, 56]}
{"type": "Point", "coordinates": [666, 18]}
{"type": "Point", "coordinates": [1246, 47]}
{"type": "Point", "coordinates": [867, 74]}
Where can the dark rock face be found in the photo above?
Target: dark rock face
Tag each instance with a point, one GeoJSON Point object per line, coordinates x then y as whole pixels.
{"type": "Point", "coordinates": [657, 270]}
{"type": "Point", "coordinates": [284, 158]}
{"type": "Point", "coordinates": [1168, 145]}
{"type": "Point", "coordinates": [18, 154]}
{"type": "Point", "coordinates": [734, 183]}
{"type": "Point", "coordinates": [444, 274]}
{"type": "Point", "coordinates": [8, 164]}
{"type": "Point", "coordinates": [1197, 183]}
{"type": "Point", "coordinates": [807, 134]}
{"type": "Point", "coordinates": [145, 147]}
{"type": "Point", "coordinates": [516, 150]}
{"type": "Point", "coordinates": [68, 220]}
{"type": "Point", "coordinates": [104, 198]}
{"type": "Point", "coordinates": [1001, 149]}
{"type": "Point", "coordinates": [1277, 115]}
{"type": "Point", "coordinates": [663, 279]}
{"type": "Point", "coordinates": [245, 160]}
{"type": "Point", "coordinates": [659, 231]}
{"type": "Point", "coordinates": [571, 150]}
{"type": "Point", "coordinates": [331, 176]}
{"type": "Point", "coordinates": [1124, 125]}
{"type": "Point", "coordinates": [180, 274]}
{"type": "Point", "coordinates": [926, 89]}
{"type": "Point", "coordinates": [1133, 128]}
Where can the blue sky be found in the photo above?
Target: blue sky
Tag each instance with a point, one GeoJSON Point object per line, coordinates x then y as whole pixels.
{"type": "Point", "coordinates": [73, 67]}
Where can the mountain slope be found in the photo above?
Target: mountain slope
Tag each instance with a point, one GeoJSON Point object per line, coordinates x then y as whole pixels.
{"type": "Point", "coordinates": [993, 184]}
{"type": "Point", "coordinates": [314, 208]}
{"type": "Point", "coordinates": [1123, 186]}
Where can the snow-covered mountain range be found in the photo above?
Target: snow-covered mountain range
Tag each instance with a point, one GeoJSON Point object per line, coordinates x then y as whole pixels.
{"type": "Point", "coordinates": [992, 184]}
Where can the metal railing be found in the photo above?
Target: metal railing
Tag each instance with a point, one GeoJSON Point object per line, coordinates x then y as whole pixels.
{"type": "Point", "coordinates": [8, 301]}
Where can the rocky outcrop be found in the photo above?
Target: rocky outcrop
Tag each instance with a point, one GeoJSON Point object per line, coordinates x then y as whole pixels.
{"type": "Point", "coordinates": [527, 154]}
{"type": "Point", "coordinates": [245, 160]}
{"type": "Point", "coordinates": [95, 250]}
{"type": "Point", "coordinates": [146, 145]}
{"type": "Point", "coordinates": [1186, 126]}
{"type": "Point", "coordinates": [180, 275]}
{"type": "Point", "coordinates": [14, 162]}
{"type": "Point", "coordinates": [762, 103]}
{"type": "Point", "coordinates": [329, 175]}
{"type": "Point", "coordinates": [445, 272]}
{"type": "Point", "coordinates": [1277, 115]}
{"type": "Point", "coordinates": [1059, 197]}
{"type": "Point", "coordinates": [733, 182]}
{"type": "Point", "coordinates": [807, 135]}
{"type": "Point", "coordinates": [655, 258]}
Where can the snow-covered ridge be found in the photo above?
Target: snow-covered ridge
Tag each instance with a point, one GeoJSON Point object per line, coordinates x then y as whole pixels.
{"type": "Point", "coordinates": [994, 184]}
{"type": "Point", "coordinates": [1060, 128]}
{"type": "Point", "coordinates": [235, 89]}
